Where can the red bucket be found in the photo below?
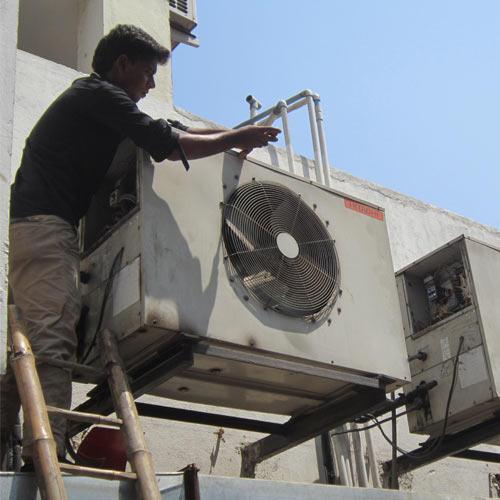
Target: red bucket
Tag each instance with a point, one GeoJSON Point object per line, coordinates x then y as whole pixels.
{"type": "Point", "coordinates": [103, 448]}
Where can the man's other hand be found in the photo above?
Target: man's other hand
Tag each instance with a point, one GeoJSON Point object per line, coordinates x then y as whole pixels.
{"type": "Point", "coordinates": [255, 136]}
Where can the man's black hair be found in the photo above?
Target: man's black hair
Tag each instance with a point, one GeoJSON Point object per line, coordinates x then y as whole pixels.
{"type": "Point", "coordinates": [130, 40]}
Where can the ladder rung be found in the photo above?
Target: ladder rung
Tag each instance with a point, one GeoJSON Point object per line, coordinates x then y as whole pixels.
{"type": "Point", "coordinates": [79, 416]}
{"type": "Point", "coordinates": [89, 370]}
{"type": "Point", "coordinates": [79, 470]}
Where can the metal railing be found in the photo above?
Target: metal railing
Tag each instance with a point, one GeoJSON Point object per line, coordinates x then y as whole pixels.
{"type": "Point", "coordinates": [281, 110]}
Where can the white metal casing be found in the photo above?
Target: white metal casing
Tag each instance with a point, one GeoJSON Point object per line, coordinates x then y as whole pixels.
{"type": "Point", "coordinates": [183, 13]}
{"type": "Point", "coordinates": [174, 279]}
{"type": "Point", "coordinates": [476, 395]}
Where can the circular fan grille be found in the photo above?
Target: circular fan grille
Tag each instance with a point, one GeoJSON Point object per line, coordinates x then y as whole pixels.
{"type": "Point", "coordinates": [280, 250]}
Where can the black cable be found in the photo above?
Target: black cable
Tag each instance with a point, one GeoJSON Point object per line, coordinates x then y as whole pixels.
{"type": "Point", "coordinates": [437, 442]}
{"type": "Point", "coordinates": [109, 285]}
{"type": "Point", "coordinates": [371, 426]}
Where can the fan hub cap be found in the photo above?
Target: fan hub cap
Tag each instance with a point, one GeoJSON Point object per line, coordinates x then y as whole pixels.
{"type": "Point", "coordinates": [287, 245]}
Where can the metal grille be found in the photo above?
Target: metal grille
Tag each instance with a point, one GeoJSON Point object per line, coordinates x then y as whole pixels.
{"type": "Point", "coordinates": [181, 5]}
{"type": "Point", "coordinates": [280, 250]}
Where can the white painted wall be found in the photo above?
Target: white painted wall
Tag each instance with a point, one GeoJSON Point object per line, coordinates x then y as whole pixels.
{"type": "Point", "coordinates": [8, 40]}
{"type": "Point", "coordinates": [90, 30]}
{"type": "Point", "coordinates": [48, 29]}
{"type": "Point", "coordinates": [152, 16]}
{"type": "Point", "coordinates": [414, 228]}
{"type": "Point", "coordinates": [67, 31]}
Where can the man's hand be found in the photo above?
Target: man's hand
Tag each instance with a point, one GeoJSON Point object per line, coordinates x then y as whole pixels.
{"type": "Point", "coordinates": [262, 134]}
{"type": "Point", "coordinates": [254, 136]}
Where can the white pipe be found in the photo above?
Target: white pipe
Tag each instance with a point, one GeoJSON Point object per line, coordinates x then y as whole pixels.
{"type": "Point", "coordinates": [358, 457]}
{"type": "Point", "coordinates": [255, 105]}
{"type": "Point", "coordinates": [267, 122]}
{"type": "Point", "coordinates": [297, 105]}
{"type": "Point", "coordinates": [343, 456]}
{"type": "Point", "coordinates": [315, 140]}
{"type": "Point", "coordinates": [372, 459]}
{"type": "Point", "coordinates": [286, 132]}
{"type": "Point", "coordinates": [340, 459]}
{"type": "Point", "coordinates": [322, 139]}
{"type": "Point", "coordinates": [350, 471]}
{"type": "Point", "coordinates": [268, 111]}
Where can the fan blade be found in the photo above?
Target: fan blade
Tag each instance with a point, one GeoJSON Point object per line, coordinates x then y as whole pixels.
{"type": "Point", "coordinates": [246, 242]}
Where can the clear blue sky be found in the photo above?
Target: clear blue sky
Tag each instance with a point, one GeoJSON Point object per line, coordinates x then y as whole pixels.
{"type": "Point", "coordinates": [409, 89]}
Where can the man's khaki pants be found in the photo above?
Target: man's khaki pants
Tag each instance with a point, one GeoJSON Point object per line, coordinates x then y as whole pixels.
{"type": "Point", "coordinates": [43, 280]}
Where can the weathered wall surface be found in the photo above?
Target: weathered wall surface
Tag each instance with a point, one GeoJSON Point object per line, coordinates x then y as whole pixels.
{"type": "Point", "coordinates": [414, 229]}
{"type": "Point", "coordinates": [8, 40]}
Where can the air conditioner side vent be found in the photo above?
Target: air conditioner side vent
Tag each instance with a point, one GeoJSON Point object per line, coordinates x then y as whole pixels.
{"type": "Point", "coordinates": [183, 14]}
{"type": "Point", "coordinates": [181, 5]}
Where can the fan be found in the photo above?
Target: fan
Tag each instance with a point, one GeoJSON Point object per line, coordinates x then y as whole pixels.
{"type": "Point", "coordinates": [280, 250]}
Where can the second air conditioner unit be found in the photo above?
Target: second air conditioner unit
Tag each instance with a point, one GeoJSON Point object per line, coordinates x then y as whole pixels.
{"type": "Point", "coordinates": [450, 306]}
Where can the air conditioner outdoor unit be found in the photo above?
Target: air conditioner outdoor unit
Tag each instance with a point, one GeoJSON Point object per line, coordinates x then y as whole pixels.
{"type": "Point", "coordinates": [183, 14]}
{"type": "Point", "coordinates": [286, 287]}
{"type": "Point", "coordinates": [449, 301]}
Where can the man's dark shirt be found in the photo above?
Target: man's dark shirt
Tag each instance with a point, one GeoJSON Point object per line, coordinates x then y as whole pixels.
{"type": "Point", "coordinates": [71, 147]}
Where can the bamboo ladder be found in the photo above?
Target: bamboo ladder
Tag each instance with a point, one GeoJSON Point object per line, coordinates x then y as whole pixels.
{"type": "Point", "coordinates": [47, 468]}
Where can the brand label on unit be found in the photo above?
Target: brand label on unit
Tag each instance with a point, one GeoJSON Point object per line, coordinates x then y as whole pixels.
{"type": "Point", "coordinates": [364, 209]}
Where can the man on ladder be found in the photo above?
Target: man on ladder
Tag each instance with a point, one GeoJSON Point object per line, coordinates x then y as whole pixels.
{"type": "Point", "coordinates": [64, 161]}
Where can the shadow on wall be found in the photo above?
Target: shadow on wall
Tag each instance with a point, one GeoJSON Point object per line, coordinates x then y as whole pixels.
{"type": "Point", "coordinates": [177, 273]}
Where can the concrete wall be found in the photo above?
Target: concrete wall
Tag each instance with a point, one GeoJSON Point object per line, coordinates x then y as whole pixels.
{"type": "Point", "coordinates": [98, 17]}
{"type": "Point", "coordinates": [8, 40]}
{"type": "Point", "coordinates": [414, 229]}
{"type": "Point", "coordinates": [48, 29]}
{"type": "Point", "coordinates": [67, 31]}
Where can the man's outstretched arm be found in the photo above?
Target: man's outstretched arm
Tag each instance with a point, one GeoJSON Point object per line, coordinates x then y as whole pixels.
{"type": "Point", "coordinates": [192, 130]}
{"type": "Point", "coordinates": [245, 138]}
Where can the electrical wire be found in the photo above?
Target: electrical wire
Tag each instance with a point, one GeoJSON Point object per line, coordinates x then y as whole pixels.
{"type": "Point", "coordinates": [107, 291]}
{"type": "Point", "coordinates": [371, 426]}
{"type": "Point", "coordinates": [437, 442]}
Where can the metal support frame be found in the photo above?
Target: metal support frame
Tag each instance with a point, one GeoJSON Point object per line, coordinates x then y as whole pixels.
{"type": "Point", "coordinates": [482, 456]}
{"type": "Point", "coordinates": [359, 396]}
{"type": "Point", "coordinates": [204, 418]}
{"type": "Point", "coordinates": [303, 427]}
{"type": "Point", "coordinates": [394, 481]}
{"type": "Point", "coordinates": [452, 445]}
{"type": "Point", "coordinates": [191, 482]}
{"type": "Point", "coordinates": [328, 458]}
